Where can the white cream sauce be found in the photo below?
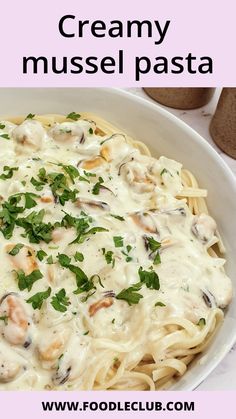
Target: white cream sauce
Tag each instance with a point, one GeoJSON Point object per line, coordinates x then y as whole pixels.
{"type": "Point", "coordinates": [46, 348]}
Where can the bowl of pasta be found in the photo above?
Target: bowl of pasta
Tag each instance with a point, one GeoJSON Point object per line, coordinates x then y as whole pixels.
{"type": "Point", "coordinates": [117, 245]}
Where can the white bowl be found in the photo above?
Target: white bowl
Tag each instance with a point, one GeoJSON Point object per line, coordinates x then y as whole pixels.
{"type": "Point", "coordinates": [165, 135]}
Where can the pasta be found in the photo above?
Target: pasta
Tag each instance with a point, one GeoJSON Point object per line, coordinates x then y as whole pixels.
{"type": "Point", "coordinates": [111, 274]}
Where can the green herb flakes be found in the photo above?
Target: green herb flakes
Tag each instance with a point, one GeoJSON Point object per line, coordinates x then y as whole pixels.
{"type": "Point", "coordinates": [60, 301]}
{"type": "Point", "coordinates": [37, 299]}
{"type": "Point", "coordinates": [118, 241]}
{"type": "Point", "coordinates": [74, 116]}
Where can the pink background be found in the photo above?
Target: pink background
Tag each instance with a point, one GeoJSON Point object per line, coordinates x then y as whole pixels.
{"type": "Point", "coordinates": [201, 27]}
{"type": "Point", "coordinates": [217, 405]}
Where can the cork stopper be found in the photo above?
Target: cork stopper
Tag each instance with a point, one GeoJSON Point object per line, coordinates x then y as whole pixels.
{"type": "Point", "coordinates": [181, 97]}
{"type": "Point", "coordinates": [223, 124]}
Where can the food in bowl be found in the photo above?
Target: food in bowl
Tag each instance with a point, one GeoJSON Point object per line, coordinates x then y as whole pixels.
{"type": "Point", "coordinates": [110, 274]}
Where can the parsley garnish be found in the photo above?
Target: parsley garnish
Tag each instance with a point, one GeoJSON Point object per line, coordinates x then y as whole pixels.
{"type": "Point", "coordinates": [2, 126]}
{"type": "Point", "coordinates": [82, 227]}
{"type": "Point", "coordinates": [73, 115]}
{"type": "Point", "coordinates": [60, 189]}
{"type": "Point", "coordinates": [83, 179]}
{"type": "Point", "coordinates": [10, 172]}
{"type": "Point", "coordinates": [64, 260]}
{"type": "Point", "coordinates": [50, 260]}
{"type": "Point", "coordinates": [37, 299]}
{"type": "Point", "coordinates": [109, 256]}
{"type": "Point", "coordinates": [84, 284]}
{"type": "Point", "coordinates": [118, 241]}
{"type": "Point", "coordinates": [90, 130]}
{"type": "Point", "coordinates": [58, 183]}
{"type": "Point", "coordinates": [27, 281]}
{"type": "Point", "coordinates": [5, 136]}
{"type": "Point", "coordinates": [165, 171]}
{"type": "Point", "coordinates": [149, 278]}
{"type": "Point", "coordinates": [16, 249]}
{"type": "Point", "coordinates": [202, 322]}
{"type": "Point", "coordinates": [4, 319]}
{"type": "Point", "coordinates": [89, 174]}
{"type": "Point", "coordinates": [130, 294]}
{"type": "Point", "coordinates": [97, 186]}
{"type": "Point", "coordinates": [28, 197]}
{"type": "Point", "coordinates": [79, 257]}
{"type": "Point", "coordinates": [35, 228]}
{"type": "Point", "coordinates": [37, 184]}
{"type": "Point", "coordinates": [126, 253]}
{"type": "Point", "coordinates": [118, 217]}
{"type": "Point", "coordinates": [41, 255]}
{"type": "Point", "coordinates": [84, 299]}
{"type": "Point", "coordinates": [154, 246]}
{"type": "Point", "coordinates": [60, 301]}
{"type": "Point", "coordinates": [9, 214]}
{"type": "Point", "coordinates": [72, 171]}
{"type": "Point", "coordinates": [160, 304]}
{"type": "Point", "coordinates": [30, 116]}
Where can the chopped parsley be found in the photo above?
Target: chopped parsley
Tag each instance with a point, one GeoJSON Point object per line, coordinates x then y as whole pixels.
{"type": "Point", "coordinates": [35, 229]}
{"type": "Point", "coordinates": [41, 255]}
{"type": "Point", "coordinates": [84, 284]}
{"type": "Point", "coordinates": [89, 174]}
{"type": "Point", "coordinates": [72, 171]}
{"type": "Point", "coordinates": [8, 215]}
{"type": "Point", "coordinates": [130, 294]}
{"type": "Point", "coordinates": [30, 116]}
{"type": "Point", "coordinates": [84, 299]}
{"type": "Point", "coordinates": [97, 186]}
{"type": "Point", "coordinates": [82, 226]}
{"type": "Point", "coordinates": [58, 183]}
{"type": "Point", "coordinates": [37, 184]}
{"type": "Point", "coordinates": [154, 246]}
{"type": "Point", "coordinates": [60, 189]}
{"type": "Point", "coordinates": [64, 260]}
{"type": "Point", "coordinates": [109, 257]}
{"type": "Point", "coordinates": [9, 172]}
{"type": "Point", "coordinates": [2, 126]}
{"type": "Point", "coordinates": [126, 253]}
{"type": "Point", "coordinates": [60, 301]}
{"type": "Point", "coordinates": [83, 179]}
{"type": "Point", "coordinates": [165, 171]}
{"type": "Point", "coordinates": [149, 278]}
{"type": "Point", "coordinates": [118, 217]}
{"type": "Point", "coordinates": [160, 304]}
{"type": "Point", "coordinates": [16, 249]}
{"type": "Point", "coordinates": [202, 322]}
{"type": "Point", "coordinates": [74, 116]}
{"type": "Point", "coordinates": [118, 241]}
{"type": "Point", "coordinates": [79, 257]}
{"type": "Point", "coordinates": [50, 260]}
{"type": "Point", "coordinates": [91, 131]}
{"type": "Point", "coordinates": [5, 136]}
{"type": "Point", "coordinates": [27, 281]}
{"type": "Point", "coordinates": [4, 319]}
{"type": "Point", "coordinates": [37, 299]}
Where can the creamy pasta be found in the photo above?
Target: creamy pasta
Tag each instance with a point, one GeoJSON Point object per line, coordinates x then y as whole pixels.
{"type": "Point", "coordinates": [109, 279]}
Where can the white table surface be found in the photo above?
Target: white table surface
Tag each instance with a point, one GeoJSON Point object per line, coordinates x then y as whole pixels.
{"type": "Point", "coordinates": [224, 376]}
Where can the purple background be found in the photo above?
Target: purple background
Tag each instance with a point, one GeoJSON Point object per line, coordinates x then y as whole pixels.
{"type": "Point", "coordinates": [201, 27]}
